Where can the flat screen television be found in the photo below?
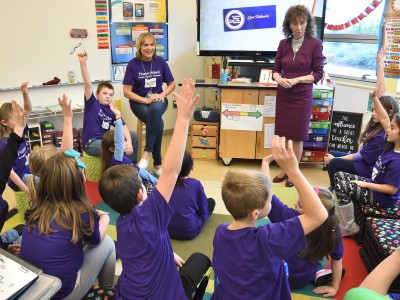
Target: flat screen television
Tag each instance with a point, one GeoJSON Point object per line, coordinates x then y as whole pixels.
{"type": "Point", "coordinates": [247, 28]}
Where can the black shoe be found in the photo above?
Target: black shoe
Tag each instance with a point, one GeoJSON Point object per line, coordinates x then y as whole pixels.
{"type": "Point", "coordinates": [324, 276]}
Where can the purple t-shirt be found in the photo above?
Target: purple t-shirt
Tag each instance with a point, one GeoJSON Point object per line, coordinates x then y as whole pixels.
{"type": "Point", "coordinates": [387, 171]}
{"type": "Point", "coordinates": [301, 271]}
{"type": "Point", "coordinates": [21, 164]}
{"type": "Point", "coordinates": [97, 119]}
{"type": "Point", "coordinates": [370, 153]}
{"type": "Point", "coordinates": [249, 261]}
{"type": "Point", "coordinates": [190, 205]}
{"type": "Point", "coordinates": [137, 73]}
{"type": "Point", "coordinates": [56, 255]}
{"type": "Point", "coordinates": [148, 266]}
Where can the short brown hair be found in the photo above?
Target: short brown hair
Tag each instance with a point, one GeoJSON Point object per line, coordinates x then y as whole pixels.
{"type": "Point", "coordinates": [118, 187]}
{"type": "Point", "coordinates": [140, 42]}
{"type": "Point", "coordinates": [104, 84]}
{"type": "Point", "coordinates": [292, 13]}
{"type": "Point", "coordinates": [244, 191]}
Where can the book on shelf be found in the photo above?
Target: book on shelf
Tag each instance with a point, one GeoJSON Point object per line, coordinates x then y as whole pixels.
{"type": "Point", "coordinates": [54, 108]}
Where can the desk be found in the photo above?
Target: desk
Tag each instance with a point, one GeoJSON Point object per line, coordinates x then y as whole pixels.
{"type": "Point", "coordinates": [43, 288]}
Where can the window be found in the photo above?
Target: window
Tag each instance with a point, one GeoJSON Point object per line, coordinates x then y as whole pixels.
{"type": "Point", "coordinates": [351, 37]}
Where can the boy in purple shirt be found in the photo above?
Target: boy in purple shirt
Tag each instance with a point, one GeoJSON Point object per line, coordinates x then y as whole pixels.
{"type": "Point", "coordinates": [20, 173]}
{"type": "Point", "coordinates": [248, 261]}
{"type": "Point", "coordinates": [191, 206]}
{"type": "Point", "coordinates": [98, 117]}
{"type": "Point", "coordinates": [148, 262]}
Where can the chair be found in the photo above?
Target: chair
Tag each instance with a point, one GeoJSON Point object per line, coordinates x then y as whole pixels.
{"type": "Point", "coordinates": [93, 167]}
{"type": "Point", "coordinates": [23, 203]}
{"type": "Point", "coordinates": [141, 134]}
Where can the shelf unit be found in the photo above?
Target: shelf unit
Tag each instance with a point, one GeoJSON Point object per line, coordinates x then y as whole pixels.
{"type": "Point", "coordinates": [34, 135]}
{"type": "Point", "coordinates": [204, 140]}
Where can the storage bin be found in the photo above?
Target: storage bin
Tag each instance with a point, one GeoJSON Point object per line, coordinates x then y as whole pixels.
{"type": "Point", "coordinates": [322, 93]}
{"type": "Point", "coordinates": [204, 141]}
{"type": "Point", "coordinates": [319, 124]}
{"type": "Point", "coordinates": [322, 102]}
{"type": "Point", "coordinates": [204, 130]}
{"type": "Point", "coordinates": [321, 109]}
{"type": "Point", "coordinates": [318, 130]}
{"type": "Point", "coordinates": [322, 146]}
{"type": "Point", "coordinates": [204, 153]}
{"type": "Point", "coordinates": [320, 116]}
{"type": "Point", "coordinates": [318, 138]}
{"type": "Point", "coordinates": [313, 156]}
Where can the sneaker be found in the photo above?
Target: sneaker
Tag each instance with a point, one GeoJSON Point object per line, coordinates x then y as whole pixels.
{"type": "Point", "coordinates": [351, 230]}
{"type": "Point", "coordinates": [143, 163]}
{"type": "Point", "coordinates": [324, 276]}
{"type": "Point", "coordinates": [158, 172]}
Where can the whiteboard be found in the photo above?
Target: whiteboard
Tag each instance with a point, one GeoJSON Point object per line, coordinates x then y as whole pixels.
{"type": "Point", "coordinates": [36, 43]}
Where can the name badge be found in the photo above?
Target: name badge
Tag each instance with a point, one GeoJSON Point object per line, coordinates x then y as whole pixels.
{"type": "Point", "coordinates": [105, 125]}
{"type": "Point", "coordinates": [150, 83]}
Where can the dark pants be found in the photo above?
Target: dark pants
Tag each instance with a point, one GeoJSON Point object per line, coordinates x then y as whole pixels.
{"type": "Point", "coordinates": [211, 205]}
{"type": "Point", "coordinates": [192, 274]}
{"type": "Point", "coordinates": [151, 115]}
{"type": "Point", "coordinates": [338, 164]}
{"type": "Point", "coordinates": [347, 192]}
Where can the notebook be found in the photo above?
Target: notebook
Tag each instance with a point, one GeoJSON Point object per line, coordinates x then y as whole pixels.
{"type": "Point", "coordinates": [16, 275]}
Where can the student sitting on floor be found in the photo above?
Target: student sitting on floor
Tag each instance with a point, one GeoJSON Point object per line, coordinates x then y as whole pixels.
{"type": "Point", "coordinates": [324, 241]}
{"type": "Point", "coordinates": [191, 206]}
{"type": "Point", "coordinates": [148, 262]}
{"type": "Point", "coordinates": [112, 151]}
{"type": "Point", "coordinates": [248, 260]}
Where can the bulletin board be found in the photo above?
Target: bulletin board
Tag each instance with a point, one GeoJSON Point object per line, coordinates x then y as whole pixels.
{"type": "Point", "coordinates": [36, 41]}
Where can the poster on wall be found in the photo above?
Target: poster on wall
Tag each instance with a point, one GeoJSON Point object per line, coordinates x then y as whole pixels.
{"type": "Point", "coordinates": [148, 11]}
{"type": "Point", "coordinates": [124, 36]}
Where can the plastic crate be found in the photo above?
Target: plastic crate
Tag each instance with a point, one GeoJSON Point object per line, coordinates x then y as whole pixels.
{"type": "Point", "coordinates": [317, 138]}
{"type": "Point", "coordinates": [319, 124]}
{"type": "Point", "coordinates": [321, 109]}
{"type": "Point", "coordinates": [322, 102]}
{"type": "Point", "coordinates": [320, 116]}
{"type": "Point", "coordinates": [315, 146]}
{"type": "Point", "coordinates": [312, 156]}
{"type": "Point", "coordinates": [318, 130]}
{"type": "Point", "coordinates": [322, 93]}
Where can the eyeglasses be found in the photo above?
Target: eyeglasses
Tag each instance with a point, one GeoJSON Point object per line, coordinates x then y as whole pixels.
{"type": "Point", "coordinates": [76, 47]}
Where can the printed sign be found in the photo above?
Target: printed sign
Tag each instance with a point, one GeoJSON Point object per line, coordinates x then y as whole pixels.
{"type": "Point", "coordinates": [345, 131]}
{"type": "Point", "coordinates": [248, 18]}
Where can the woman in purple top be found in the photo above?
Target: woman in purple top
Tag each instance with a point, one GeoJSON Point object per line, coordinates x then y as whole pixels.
{"type": "Point", "coordinates": [372, 140]}
{"type": "Point", "coordinates": [325, 241]}
{"type": "Point", "coordinates": [382, 188]}
{"type": "Point", "coordinates": [190, 205]}
{"type": "Point", "coordinates": [20, 173]}
{"type": "Point", "coordinates": [143, 86]}
{"type": "Point", "coordinates": [298, 64]}
{"type": "Point", "coordinates": [63, 236]}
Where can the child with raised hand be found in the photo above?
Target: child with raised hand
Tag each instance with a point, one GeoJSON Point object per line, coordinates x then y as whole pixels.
{"type": "Point", "coordinates": [248, 260]}
{"type": "Point", "coordinates": [98, 117]}
{"type": "Point", "coordinates": [372, 139]}
{"type": "Point", "coordinates": [376, 285]}
{"type": "Point", "coordinates": [325, 241]}
{"type": "Point", "coordinates": [148, 262]}
{"type": "Point", "coordinates": [20, 173]}
{"type": "Point", "coordinates": [63, 235]}
{"type": "Point", "coordinates": [112, 151]}
{"type": "Point", "coordinates": [382, 188]}
{"type": "Point", "coordinates": [191, 206]}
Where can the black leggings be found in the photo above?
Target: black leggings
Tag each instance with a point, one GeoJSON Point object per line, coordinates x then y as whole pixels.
{"type": "Point", "coordinates": [192, 274]}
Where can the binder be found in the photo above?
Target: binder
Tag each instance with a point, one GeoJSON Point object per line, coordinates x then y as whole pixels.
{"type": "Point", "coordinates": [16, 275]}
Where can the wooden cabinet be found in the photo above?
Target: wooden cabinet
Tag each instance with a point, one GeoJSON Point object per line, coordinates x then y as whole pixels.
{"type": "Point", "coordinates": [204, 140]}
{"type": "Point", "coordinates": [248, 144]}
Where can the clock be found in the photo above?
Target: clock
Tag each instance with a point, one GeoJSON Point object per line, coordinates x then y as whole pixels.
{"type": "Point", "coordinates": [396, 5]}
{"type": "Point", "coordinates": [78, 33]}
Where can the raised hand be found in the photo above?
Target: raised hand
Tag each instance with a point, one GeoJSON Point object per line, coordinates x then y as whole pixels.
{"type": "Point", "coordinates": [115, 110]}
{"type": "Point", "coordinates": [24, 87]}
{"type": "Point", "coordinates": [185, 100]}
{"type": "Point", "coordinates": [65, 106]}
{"type": "Point", "coordinates": [19, 117]}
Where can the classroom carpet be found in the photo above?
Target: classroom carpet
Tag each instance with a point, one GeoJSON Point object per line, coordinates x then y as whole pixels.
{"type": "Point", "coordinates": [355, 270]}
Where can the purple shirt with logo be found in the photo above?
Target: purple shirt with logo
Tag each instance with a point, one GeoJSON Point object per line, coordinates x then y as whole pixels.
{"type": "Point", "coordinates": [137, 71]}
{"type": "Point", "coordinates": [21, 164]}
{"type": "Point", "coordinates": [387, 171]}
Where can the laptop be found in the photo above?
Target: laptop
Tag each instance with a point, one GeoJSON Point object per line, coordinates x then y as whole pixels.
{"type": "Point", "coordinates": [16, 275]}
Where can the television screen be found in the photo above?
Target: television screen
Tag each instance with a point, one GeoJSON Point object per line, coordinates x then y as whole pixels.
{"type": "Point", "coordinates": [247, 28]}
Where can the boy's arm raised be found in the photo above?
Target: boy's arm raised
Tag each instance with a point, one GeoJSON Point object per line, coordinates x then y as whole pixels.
{"type": "Point", "coordinates": [67, 137]}
{"type": "Point", "coordinates": [87, 82]}
{"type": "Point", "coordinates": [314, 212]}
{"type": "Point", "coordinates": [173, 158]}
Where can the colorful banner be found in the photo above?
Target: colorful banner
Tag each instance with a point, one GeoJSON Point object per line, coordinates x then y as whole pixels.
{"type": "Point", "coordinates": [102, 31]}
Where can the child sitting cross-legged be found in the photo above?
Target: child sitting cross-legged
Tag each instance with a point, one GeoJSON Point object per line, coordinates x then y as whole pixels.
{"type": "Point", "coordinates": [248, 261]}
{"type": "Point", "coordinates": [144, 247]}
{"type": "Point", "coordinates": [191, 206]}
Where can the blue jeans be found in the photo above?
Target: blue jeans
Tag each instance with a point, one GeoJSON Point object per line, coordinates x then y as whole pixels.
{"type": "Point", "coordinates": [93, 147]}
{"type": "Point", "coordinates": [338, 164]}
{"type": "Point", "coordinates": [151, 115]}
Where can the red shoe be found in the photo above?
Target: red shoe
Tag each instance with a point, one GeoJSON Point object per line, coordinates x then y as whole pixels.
{"type": "Point", "coordinates": [289, 183]}
{"type": "Point", "coordinates": [279, 179]}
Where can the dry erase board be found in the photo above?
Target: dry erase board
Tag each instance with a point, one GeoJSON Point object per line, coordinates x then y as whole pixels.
{"type": "Point", "coordinates": [36, 41]}
{"type": "Point", "coordinates": [345, 131]}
